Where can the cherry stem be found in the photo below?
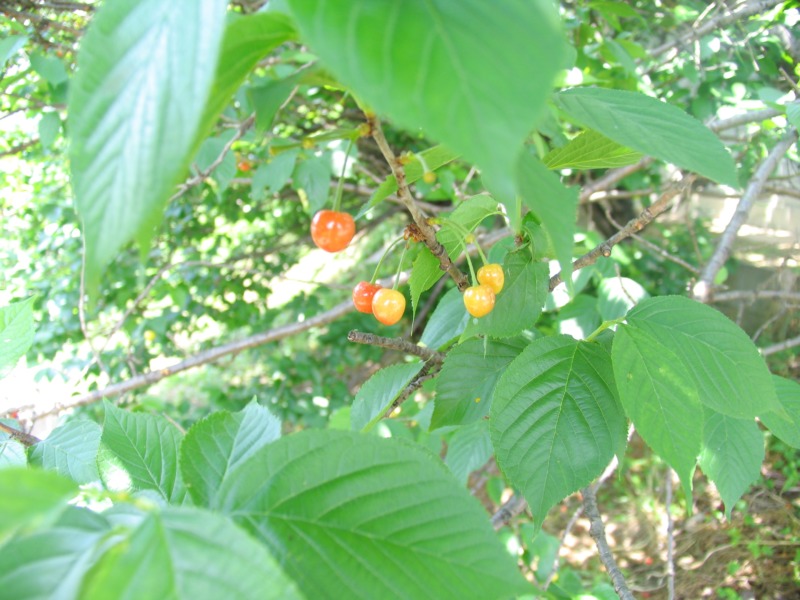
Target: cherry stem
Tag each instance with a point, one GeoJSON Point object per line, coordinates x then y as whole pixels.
{"type": "Point", "coordinates": [605, 325]}
{"type": "Point", "coordinates": [400, 267]}
{"type": "Point", "coordinates": [337, 201]}
{"type": "Point", "coordinates": [469, 263]}
{"type": "Point", "coordinates": [380, 262]}
{"type": "Point", "coordinates": [423, 164]}
{"type": "Point", "coordinates": [466, 233]}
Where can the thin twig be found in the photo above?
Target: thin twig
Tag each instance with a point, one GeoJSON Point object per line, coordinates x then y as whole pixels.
{"type": "Point", "coordinates": [404, 194]}
{"type": "Point", "coordinates": [567, 530]}
{"type": "Point", "coordinates": [598, 532]}
{"type": "Point", "coordinates": [753, 295]}
{"type": "Point", "coordinates": [742, 11]}
{"type": "Point", "coordinates": [26, 439]}
{"type": "Point", "coordinates": [401, 345]}
{"type": "Point", "coordinates": [510, 509]}
{"type": "Point", "coordinates": [702, 290]}
{"type": "Point", "coordinates": [429, 371]}
{"type": "Point", "coordinates": [208, 356]}
{"type": "Point", "coordinates": [780, 347]}
{"type": "Point", "coordinates": [670, 538]}
{"type": "Point", "coordinates": [633, 226]}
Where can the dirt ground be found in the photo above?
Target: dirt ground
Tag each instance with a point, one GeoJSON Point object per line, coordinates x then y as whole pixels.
{"type": "Point", "coordinates": [755, 555]}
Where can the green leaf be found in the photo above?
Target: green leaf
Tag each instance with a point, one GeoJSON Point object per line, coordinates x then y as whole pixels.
{"type": "Point", "coordinates": [376, 395]}
{"type": "Point", "coordinates": [793, 113]}
{"type": "Point", "coordinates": [29, 496]}
{"type": "Point", "coordinates": [467, 215]}
{"type": "Point", "coordinates": [246, 41]}
{"type": "Point", "coordinates": [9, 46]}
{"type": "Point", "coordinates": [651, 127]}
{"type": "Point", "coordinates": [556, 420]}
{"type": "Point", "coordinates": [71, 450]}
{"type": "Point", "coordinates": [590, 150]}
{"type": "Point", "coordinates": [579, 318]}
{"type": "Point", "coordinates": [469, 449]}
{"type": "Point", "coordinates": [50, 563]}
{"type": "Point", "coordinates": [274, 175]}
{"type": "Point", "coordinates": [313, 175]}
{"type": "Point", "coordinates": [659, 398]}
{"type": "Point", "coordinates": [359, 516]}
{"type": "Point", "coordinates": [49, 67]}
{"type": "Point", "coordinates": [12, 453]}
{"type": "Point", "coordinates": [424, 274]}
{"type": "Point", "coordinates": [465, 386]}
{"type": "Point", "coordinates": [147, 447]}
{"type": "Point", "coordinates": [187, 554]}
{"type": "Point", "coordinates": [723, 363]}
{"type": "Point", "coordinates": [49, 128]}
{"type": "Point", "coordinates": [617, 295]}
{"type": "Point", "coordinates": [434, 158]}
{"type": "Point", "coordinates": [144, 72]}
{"type": "Point", "coordinates": [269, 97]}
{"type": "Point", "coordinates": [788, 392]}
{"type": "Point", "coordinates": [731, 456]}
{"type": "Point", "coordinates": [519, 305]}
{"type": "Point", "coordinates": [219, 443]}
{"type": "Point", "coordinates": [447, 321]}
{"type": "Point", "coordinates": [556, 206]}
{"type": "Point", "coordinates": [16, 333]}
{"type": "Point", "coordinates": [473, 77]}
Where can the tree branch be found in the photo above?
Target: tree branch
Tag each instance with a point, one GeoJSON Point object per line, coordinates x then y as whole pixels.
{"type": "Point", "coordinates": [26, 439]}
{"type": "Point", "coordinates": [702, 290]}
{"type": "Point", "coordinates": [633, 226]}
{"type": "Point", "coordinates": [397, 344]}
{"type": "Point", "coordinates": [742, 11]}
{"type": "Point", "coordinates": [405, 197]}
{"type": "Point", "coordinates": [206, 357]}
{"type": "Point", "coordinates": [598, 532]}
{"type": "Point", "coordinates": [780, 347]}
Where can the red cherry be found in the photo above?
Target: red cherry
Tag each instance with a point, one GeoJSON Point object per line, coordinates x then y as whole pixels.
{"type": "Point", "coordinates": [363, 294]}
{"type": "Point", "coordinates": [332, 230]}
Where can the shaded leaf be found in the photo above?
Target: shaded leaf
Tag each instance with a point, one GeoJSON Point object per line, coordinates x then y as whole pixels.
{"type": "Point", "coordinates": [556, 205]}
{"type": "Point", "coordinates": [660, 400]}
{"type": "Point", "coordinates": [132, 128]}
{"type": "Point", "coordinates": [16, 333]}
{"type": "Point", "coordinates": [71, 450]}
{"type": "Point", "coordinates": [467, 215]}
{"type": "Point", "coordinates": [725, 366]}
{"type": "Point", "coordinates": [652, 127]}
{"type": "Point", "coordinates": [50, 563]}
{"type": "Point", "coordinates": [186, 554]}
{"type": "Point", "coordinates": [313, 176]}
{"type": "Point", "coordinates": [731, 456]}
{"type": "Point", "coordinates": [376, 395]}
{"type": "Point", "coordinates": [447, 321]}
{"type": "Point", "coordinates": [590, 150]}
{"type": "Point", "coordinates": [147, 448]}
{"type": "Point", "coordinates": [219, 443]}
{"type": "Point", "coordinates": [357, 516]}
{"type": "Point", "coordinates": [424, 274]}
{"type": "Point", "coordinates": [469, 449]}
{"type": "Point", "coordinates": [419, 62]}
{"type": "Point", "coordinates": [28, 496]}
{"type": "Point", "coordinates": [465, 386]}
{"type": "Point", "coordinates": [787, 429]}
{"type": "Point", "coordinates": [556, 421]}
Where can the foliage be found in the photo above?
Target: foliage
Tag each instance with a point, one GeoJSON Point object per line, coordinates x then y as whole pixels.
{"type": "Point", "coordinates": [252, 117]}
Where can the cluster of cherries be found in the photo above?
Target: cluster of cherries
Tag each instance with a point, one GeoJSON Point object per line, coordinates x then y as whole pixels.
{"type": "Point", "coordinates": [332, 231]}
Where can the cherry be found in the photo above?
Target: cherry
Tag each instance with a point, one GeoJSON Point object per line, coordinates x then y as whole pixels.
{"type": "Point", "coordinates": [388, 306]}
{"type": "Point", "coordinates": [363, 294]}
{"type": "Point", "coordinates": [244, 166]}
{"type": "Point", "coordinates": [479, 300]}
{"type": "Point", "coordinates": [493, 276]}
{"type": "Point", "coordinates": [332, 230]}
